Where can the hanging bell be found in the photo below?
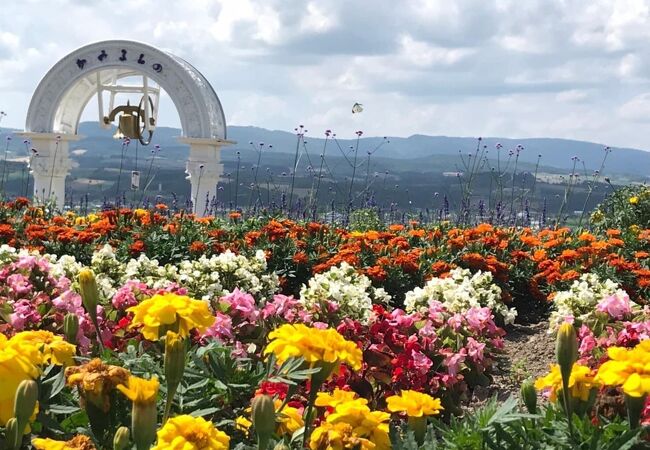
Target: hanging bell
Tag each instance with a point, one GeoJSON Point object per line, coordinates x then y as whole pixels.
{"type": "Point", "coordinates": [129, 125]}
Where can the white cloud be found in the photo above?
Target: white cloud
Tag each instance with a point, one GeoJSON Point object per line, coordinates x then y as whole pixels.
{"type": "Point", "coordinates": [571, 96]}
{"type": "Point", "coordinates": [467, 67]}
{"type": "Point", "coordinates": [317, 20]}
{"type": "Point", "coordinates": [636, 109]}
{"type": "Point", "coordinates": [420, 53]}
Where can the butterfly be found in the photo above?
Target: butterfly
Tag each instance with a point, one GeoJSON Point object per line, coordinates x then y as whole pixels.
{"type": "Point", "coordinates": [357, 108]}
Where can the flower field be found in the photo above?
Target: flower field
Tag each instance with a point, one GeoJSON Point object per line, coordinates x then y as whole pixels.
{"type": "Point", "coordinates": [136, 328]}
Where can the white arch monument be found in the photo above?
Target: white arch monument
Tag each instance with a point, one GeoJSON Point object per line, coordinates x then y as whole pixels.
{"type": "Point", "coordinates": [61, 96]}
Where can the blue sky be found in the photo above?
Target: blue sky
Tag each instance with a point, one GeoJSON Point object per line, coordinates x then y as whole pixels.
{"type": "Point", "coordinates": [535, 68]}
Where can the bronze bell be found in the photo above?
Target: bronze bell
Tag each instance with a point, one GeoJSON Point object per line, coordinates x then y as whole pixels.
{"type": "Point", "coordinates": [130, 120]}
{"type": "Point", "coordinates": [129, 126]}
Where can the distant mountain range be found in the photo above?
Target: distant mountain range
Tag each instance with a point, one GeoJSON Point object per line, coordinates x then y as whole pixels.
{"type": "Point", "coordinates": [414, 173]}
{"type": "Point", "coordinates": [414, 150]}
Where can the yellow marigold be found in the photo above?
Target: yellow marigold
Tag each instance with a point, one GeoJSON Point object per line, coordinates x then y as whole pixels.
{"type": "Point", "coordinates": [191, 433]}
{"type": "Point", "coordinates": [330, 436]}
{"type": "Point", "coordinates": [242, 424]}
{"type": "Point", "coordinates": [139, 390]}
{"type": "Point", "coordinates": [171, 311]}
{"type": "Point", "coordinates": [52, 348]}
{"type": "Point", "coordinates": [289, 418]}
{"type": "Point", "coordinates": [337, 397]}
{"type": "Point", "coordinates": [581, 382]}
{"type": "Point", "coordinates": [314, 345]}
{"type": "Point", "coordinates": [95, 381]}
{"type": "Point", "coordinates": [79, 442]}
{"type": "Point", "coordinates": [634, 200]}
{"type": "Point", "coordinates": [367, 424]}
{"type": "Point", "coordinates": [18, 362]}
{"type": "Point", "coordinates": [139, 212]}
{"type": "Point", "coordinates": [414, 404]}
{"type": "Point", "coordinates": [628, 368]}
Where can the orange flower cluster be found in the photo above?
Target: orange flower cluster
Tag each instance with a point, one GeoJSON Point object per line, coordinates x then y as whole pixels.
{"type": "Point", "coordinates": [398, 257]}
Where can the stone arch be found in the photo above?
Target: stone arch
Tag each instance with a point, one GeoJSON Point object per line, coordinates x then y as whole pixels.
{"type": "Point", "coordinates": [61, 96]}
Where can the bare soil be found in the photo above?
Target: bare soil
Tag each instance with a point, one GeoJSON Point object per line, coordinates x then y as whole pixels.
{"type": "Point", "coordinates": [528, 353]}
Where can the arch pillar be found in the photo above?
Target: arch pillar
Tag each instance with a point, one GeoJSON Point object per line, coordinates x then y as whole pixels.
{"type": "Point", "coordinates": [203, 169]}
{"type": "Point", "coordinates": [50, 164]}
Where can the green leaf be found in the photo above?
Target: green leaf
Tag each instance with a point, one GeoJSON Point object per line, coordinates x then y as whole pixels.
{"type": "Point", "coordinates": [62, 409]}
{"type": "Point", "coordinates": [205, 411]}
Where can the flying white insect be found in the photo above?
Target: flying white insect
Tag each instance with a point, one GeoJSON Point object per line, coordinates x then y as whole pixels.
{"type": "Point", "coordinates": [357, 108]}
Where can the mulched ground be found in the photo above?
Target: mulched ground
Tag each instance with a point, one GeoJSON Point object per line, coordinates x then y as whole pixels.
{"type": "Point", "coordinates": [529, 350]}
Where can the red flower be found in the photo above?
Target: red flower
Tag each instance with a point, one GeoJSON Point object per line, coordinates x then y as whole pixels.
{"type": "Point", "coordinates": [273, 389]}
{"type": "Point", "coordinates": [137, 247]}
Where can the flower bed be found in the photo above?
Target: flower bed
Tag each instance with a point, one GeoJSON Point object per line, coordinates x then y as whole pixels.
{"type": "Point", "coordinates": [157, 329]}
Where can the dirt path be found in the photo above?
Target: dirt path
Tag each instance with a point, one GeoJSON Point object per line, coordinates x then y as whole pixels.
{"type": "Point", "coordinates": [528, 352]}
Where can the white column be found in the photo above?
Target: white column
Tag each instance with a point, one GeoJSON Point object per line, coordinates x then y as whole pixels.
{"type": "Point", "coordinates": [50, 165]}
{"type": "Point", "coordinates": [204, 169]}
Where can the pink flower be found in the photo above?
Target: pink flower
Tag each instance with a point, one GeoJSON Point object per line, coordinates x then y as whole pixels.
{"type": "Point", "coordinates": [428, 330]}
{"type": "Point", "coordinates": [587, 341]}
{"type": "Point", "coordinates": [454, 360]}
{"type": "Point", "coordinates": [239, 351]}
{"type": "Point", "coordinates": [242, 304]}
{"type": "Point", "coordinates": [332, 307]}
{"type": "Point", "coordinates": [436, 311]}
{"type": "Point", "coordinates": [222, 327]}
{"type": "Point", "coordinates": [305, 316]}
{"type": "Point", "coordinates": [449, 380]}
{"type": "Point", "coordinates": [617, 306]}
{"type": "Point", "coordinates": [19, 284]}
{"type": "Point", "coordinates": [26, 262]}
{"type": "Point", "coordinates": [421, 362]}
{"type": "Point", "coordinates": [126, 295]}
{"type": "Point", "coordinates": [475, 349]}
{"type": "Point", "coordinates": [398, 318]}
{"type": "Point", "coordinates": [281, 306]}
{"type": "Point", "coordinates": [69, 301]}
{"type": "Point", "coordinates": [455, 322]}
{"type": "Point", "coordinates": [481, 320]}
{"type": "Point", "coordinates": [24, 313]}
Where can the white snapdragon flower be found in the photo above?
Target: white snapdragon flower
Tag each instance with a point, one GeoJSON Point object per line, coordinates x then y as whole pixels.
{"type": "Point", "coordinates": [579, 302]}
{"type": "Point", "coordinates": [459, 292]}
{"type": "Point", "coordinates": [342, 285]}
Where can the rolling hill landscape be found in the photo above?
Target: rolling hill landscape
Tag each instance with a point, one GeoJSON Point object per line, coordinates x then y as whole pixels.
{"type": "Point", "coordinates": [413, 173]}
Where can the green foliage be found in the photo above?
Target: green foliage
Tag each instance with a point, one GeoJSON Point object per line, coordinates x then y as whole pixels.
{"type": "Point", "coordinates": [500, 426]}
{"type": "Point", "coordinates": [365, 220]}
{"type": "Point", "coordinates": [628, 206]}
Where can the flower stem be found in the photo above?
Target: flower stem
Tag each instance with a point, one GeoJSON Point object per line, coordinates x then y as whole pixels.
{"type": "Point", "coordinates": [171, 393]}
{"type": "Point", "coordinates": [310, 409]}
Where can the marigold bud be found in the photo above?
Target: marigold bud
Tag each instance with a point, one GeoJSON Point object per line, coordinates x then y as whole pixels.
{"type": "Point", "coordinates": [71, 328]}
{"type": "Point", "coordinates": [144, 423]}
{"type": "Point", "coordinates": [263, 416]}
{"type": "Point", "coordinates": [89, 292]}
{"type": "Point", "coordinates": [529, 396]}
{"type": "Point", "coordinates": [13, 437]}
{"type": "Point", "coordinates": [121, 438]}
{"type": "Point", "coordinates": [566, 349]}
{"type": "Point", "coordinates": [174, 358]}
{"type": "Point", "coordinates": [25, 403]}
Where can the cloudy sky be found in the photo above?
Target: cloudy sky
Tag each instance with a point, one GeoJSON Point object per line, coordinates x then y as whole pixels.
{"type": "Point", "coordinates": [535, 68]}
